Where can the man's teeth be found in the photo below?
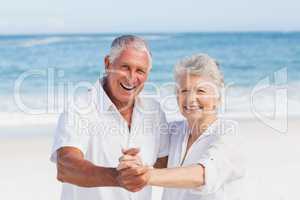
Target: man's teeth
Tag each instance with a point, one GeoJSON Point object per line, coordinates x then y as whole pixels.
{"type": "Point", "coordinates": [127, 87]}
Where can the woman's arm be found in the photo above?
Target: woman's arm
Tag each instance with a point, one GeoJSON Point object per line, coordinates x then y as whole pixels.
{"type": "Point", "coordinates": [182, 177]}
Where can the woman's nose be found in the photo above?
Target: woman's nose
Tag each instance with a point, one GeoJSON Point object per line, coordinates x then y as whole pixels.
{"type": "Point", "coordinates": [191, 97]}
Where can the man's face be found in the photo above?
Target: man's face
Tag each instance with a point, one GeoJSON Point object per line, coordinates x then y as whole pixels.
{"type": "Point", "coordinates": [127, 74]}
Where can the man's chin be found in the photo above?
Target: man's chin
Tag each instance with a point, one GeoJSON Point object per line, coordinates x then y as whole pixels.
{"type": "Point", "coordinates": [129, 95]}
{"type": "Point", "coordinates": [126, 99]}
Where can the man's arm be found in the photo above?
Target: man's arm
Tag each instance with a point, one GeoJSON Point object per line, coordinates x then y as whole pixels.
{"type": "Point", "coordinates": [74, 169]}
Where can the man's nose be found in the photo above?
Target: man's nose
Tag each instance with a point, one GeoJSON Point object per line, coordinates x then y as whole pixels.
{"type": "Point", "coordinates": [131, 77]}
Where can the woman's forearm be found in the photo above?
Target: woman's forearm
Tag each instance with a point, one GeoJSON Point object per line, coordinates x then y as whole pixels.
{"type": "Point", "coordinates": [181, 177]}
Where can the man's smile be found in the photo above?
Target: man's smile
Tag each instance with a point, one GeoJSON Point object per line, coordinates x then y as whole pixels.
{"type": "Point", "coordinates": [127, 87]}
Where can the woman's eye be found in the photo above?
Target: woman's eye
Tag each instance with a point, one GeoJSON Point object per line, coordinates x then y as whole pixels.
{"type": "Point", "coordinates": [184, 91]}
{"type": "Point", "coordinates": [200, 91]}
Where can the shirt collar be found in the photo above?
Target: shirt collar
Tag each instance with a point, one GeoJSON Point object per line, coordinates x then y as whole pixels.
{"type": "Point", "coordinates": [211, 130]}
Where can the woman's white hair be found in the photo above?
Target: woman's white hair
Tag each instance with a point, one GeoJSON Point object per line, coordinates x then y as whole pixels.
{"type": "Point", "coordinates": [128, 41]}
{"type": "Point", "coordinates": [202, 65]}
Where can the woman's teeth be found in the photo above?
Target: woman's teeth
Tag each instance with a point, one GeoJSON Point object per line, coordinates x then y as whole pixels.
{"type": "Point", "coordinates": [194, 108]}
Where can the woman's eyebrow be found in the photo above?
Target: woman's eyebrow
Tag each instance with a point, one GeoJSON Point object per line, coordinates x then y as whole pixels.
{"type": "Point", "coordinates": [200, 87]}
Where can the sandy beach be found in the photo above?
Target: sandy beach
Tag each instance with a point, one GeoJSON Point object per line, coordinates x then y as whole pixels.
{"type": "Point", "coordinates": [272, 159]}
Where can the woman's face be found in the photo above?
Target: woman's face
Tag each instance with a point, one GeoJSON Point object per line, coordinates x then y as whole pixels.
{"type": "Point", "coordinates": [197, 96]}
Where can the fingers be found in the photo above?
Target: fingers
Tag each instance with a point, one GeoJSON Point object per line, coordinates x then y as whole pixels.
{"type": "Point", "coordinates": [134, 179]}
{"type": "Point", "coordinates": [134, 171]}
{"type": "Point", "coordinates": [128, 158]}
{"type": "Point", "coordinates": [131, 151]}
{"type": "Point", "coordinates": [128, 164]}
{"type": "Point", "coordinates": [133, 176]}
{"type": "Point", "coordinates": [136, 187]}
{"type": "Point", "coordinates": [133, 186]}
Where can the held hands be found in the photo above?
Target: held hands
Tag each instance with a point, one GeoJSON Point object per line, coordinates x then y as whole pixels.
{"type": "Point", "coordinates": [133, 175]}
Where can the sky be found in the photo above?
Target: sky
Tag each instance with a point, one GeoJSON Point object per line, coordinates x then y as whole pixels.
{"type": "Point", "coordinates": [98, 16]}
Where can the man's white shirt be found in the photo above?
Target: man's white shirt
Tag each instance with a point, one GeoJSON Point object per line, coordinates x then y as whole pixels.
{"type": "Point", "coordinates": [100, 132]}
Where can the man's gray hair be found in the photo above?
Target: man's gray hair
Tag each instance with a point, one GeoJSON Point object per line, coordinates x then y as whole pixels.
{"type": "Point", "coordinates": [202, 65]}
{"type": "Point", "coordinates": [128, 41]}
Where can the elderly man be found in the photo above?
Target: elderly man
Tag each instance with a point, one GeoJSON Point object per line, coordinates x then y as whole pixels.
{"type": "Point", "coordinates": [89, 142]}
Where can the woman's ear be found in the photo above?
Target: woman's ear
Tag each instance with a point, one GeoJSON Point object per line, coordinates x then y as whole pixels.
{"type": "Point", "coordinates": [218, 102]}
{"type": "Point", "coordinates": [177, 92]}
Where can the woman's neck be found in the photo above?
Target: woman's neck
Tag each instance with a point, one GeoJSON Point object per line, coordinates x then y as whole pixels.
{"type": "Point", "coordinates": [197, 127]}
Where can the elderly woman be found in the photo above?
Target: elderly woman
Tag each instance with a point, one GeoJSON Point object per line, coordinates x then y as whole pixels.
{"type": "Point", "coordinates": [204, 160]}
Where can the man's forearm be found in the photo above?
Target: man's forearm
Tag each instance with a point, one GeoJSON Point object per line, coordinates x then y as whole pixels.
{"type": "Point", "coordinates": [182, 177]}
{"type": "Point", "coordinates": [104, 177]}
{"type": "Point", "coordinates": [85, 174]}
{"type": "Point", "coordinates": [74, 169]}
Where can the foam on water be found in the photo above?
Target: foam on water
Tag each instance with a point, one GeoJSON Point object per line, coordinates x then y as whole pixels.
{"type": "Point", "coordinates": [39, 42]}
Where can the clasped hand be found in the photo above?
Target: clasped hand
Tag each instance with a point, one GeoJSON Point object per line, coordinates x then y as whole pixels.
{"type": "Point", "coordinates": [133, 175]}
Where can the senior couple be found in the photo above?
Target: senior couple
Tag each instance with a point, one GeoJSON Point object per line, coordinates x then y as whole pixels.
{"type": "Point", "coordinates": [120, 145]}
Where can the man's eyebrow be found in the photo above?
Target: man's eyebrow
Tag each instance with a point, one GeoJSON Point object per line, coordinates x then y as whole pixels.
{"type": "Point", "coordinates": [142, 67]}
{"type": "Point", "coordinates": [138, 66]}
{"type": "Point", "coordinates": [125, 63]}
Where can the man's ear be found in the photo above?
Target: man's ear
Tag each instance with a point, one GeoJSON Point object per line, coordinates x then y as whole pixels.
{"type": "Point", "coordinates": [106, 62]}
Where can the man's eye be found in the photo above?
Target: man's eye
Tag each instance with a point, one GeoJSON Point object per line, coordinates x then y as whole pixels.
{"type": "Point", "coordinates": [141, 71]}
{"type": "Point", "coordinates": [125, 67]}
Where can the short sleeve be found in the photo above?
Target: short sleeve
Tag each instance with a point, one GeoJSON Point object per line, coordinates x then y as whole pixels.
{"type": "Point", "coordinates": [164, 136]}
{"type": "Point", "coordinates": [70, 131]}
{"type": "Point", "coordinates": [223, 162]}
